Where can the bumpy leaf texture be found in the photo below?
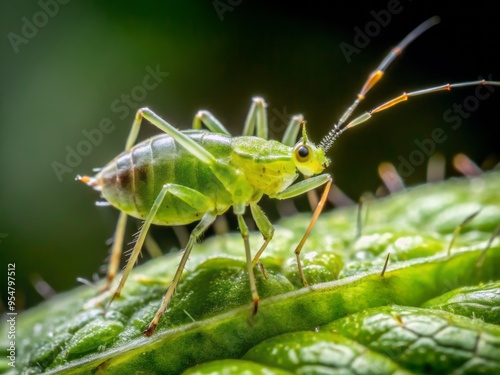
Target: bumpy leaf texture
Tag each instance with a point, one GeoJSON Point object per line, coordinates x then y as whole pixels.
{"type": "Point", "coordinates": [429, 313]}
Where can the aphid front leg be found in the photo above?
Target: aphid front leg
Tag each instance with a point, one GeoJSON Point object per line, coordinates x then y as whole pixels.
{"type": "Point", "coordinates": [299, 189]}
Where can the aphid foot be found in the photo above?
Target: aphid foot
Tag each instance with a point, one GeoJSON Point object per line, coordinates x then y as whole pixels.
{"type": "Point", "coordinates": [255, 306]}
{"type": "Point", "coordinates": [150, 330]}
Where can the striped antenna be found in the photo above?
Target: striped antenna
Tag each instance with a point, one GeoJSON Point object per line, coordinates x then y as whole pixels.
{"type": "Point", "coordinates": [375, 77]}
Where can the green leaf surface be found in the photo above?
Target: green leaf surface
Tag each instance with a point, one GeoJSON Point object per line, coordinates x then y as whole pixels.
{"type": "Point", "coordinates": [234, 366]}
{"type": "Point", "coordinates": [321, 352]}
{"type": "Point", "coordinates": [425, 341]}
{"type": "Point", "coordinates": [478, 302]}
{"type": "Point", "coordinates": [211, 314]}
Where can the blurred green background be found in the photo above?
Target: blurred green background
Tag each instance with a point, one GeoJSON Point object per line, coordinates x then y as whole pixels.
{"type": "Point", "coordinates": [77, 67]}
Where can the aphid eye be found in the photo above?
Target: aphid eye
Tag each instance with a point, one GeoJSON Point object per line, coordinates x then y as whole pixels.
{"type": "Point", "coordinates": [303, 152]}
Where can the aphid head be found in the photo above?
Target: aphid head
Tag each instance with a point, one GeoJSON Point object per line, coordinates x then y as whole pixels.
{"type": "Point", "coordinates": [308, 158]}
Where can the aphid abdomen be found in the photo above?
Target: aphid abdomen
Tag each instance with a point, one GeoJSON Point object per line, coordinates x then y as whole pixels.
{"type": "Point", "coordinates": [134, 179]}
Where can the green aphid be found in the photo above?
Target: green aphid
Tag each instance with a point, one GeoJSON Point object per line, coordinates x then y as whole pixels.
{"type": "Point", "coordinates": [187, 176]}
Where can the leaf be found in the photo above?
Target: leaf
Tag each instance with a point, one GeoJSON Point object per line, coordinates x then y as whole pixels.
{"type": "Point", "coordinates": [429, 341]}
{"type": "Point", "coordinates": [320, 352]}
{"type": "Point", "coordinates": [211, 315]}
{"type": "Point", "coordinates": [478, 302]}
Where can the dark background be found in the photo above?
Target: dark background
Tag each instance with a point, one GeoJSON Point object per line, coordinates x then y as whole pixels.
{"type": "Point", "coordinates": [64, 79]}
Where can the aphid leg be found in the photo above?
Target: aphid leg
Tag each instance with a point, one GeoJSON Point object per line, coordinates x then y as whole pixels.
{"type": "Point", "coordinates": [256, 120]}
{"type": "Point", "coordinates": [116, 251]}
{"type": "Point", "coordinates": [189, 196]}
{"type": "Point", "coordinates": [390, 177]}
{"type": "Point", "coordinates": [436, 167]}
{"type": "Point", "coordinates": [205, 222]}
{"type": "Point", "coordinates": [301, 188]}
{"type": "Point", "coordinates": [152, 246]}
{"type": "Point", "coordinates": [185, 141]}
{"type": "Point", "coordinates": [338, 198]}
{"type": "Point", "coordinates": [194, 148]}
{"type": "Point", "coordinates": [292, 130]}
{"type": "Point", "coordinates": [234, 182]}
{"type": "Point", "coordinates": [206, 118]}
{"type": "Point", "coordinates": [221, 225]}
{"type": "Point", "coordinates": [466, 166]}
{"type": "Point", "coordinates": [182, 234]}
{"type": "Point", "coordinates": [253, 288]}
{"type": "Point", "coordinates": [267, 230]}
{"type": "Point", "coordinates": [140, 241]}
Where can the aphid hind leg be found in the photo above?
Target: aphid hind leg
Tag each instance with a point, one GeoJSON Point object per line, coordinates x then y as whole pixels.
{"type": "Point", "coordinates": [299, 189]}
{"type": "Point", "coordinates": [184, 140]}
{"type": "Point", "coordinates": [234, 181]}
{"type": "Point", "coordinates": [205, 222]}
{"type": "Point", "coordinates": [192, 197]}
